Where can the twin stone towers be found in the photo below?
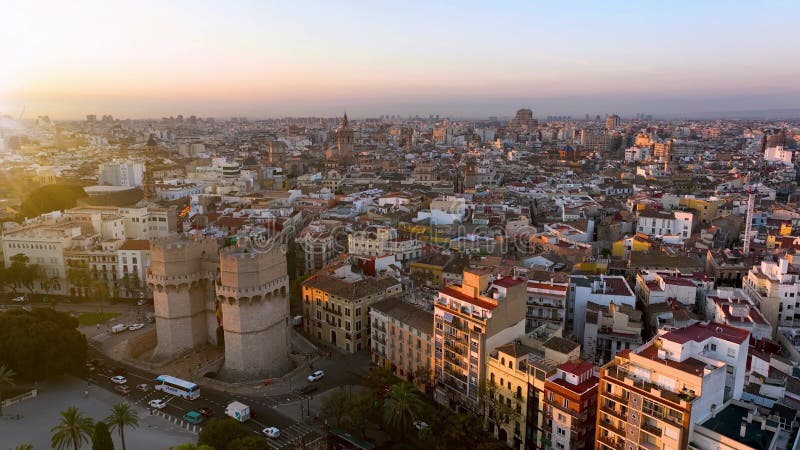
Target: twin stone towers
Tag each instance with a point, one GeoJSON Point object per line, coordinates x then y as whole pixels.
{"type": "Point", "coordinates": [238, 296]}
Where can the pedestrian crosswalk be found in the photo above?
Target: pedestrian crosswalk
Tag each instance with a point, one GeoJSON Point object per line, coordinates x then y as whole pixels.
{"type": "Point", "coordinates": [292, 436]}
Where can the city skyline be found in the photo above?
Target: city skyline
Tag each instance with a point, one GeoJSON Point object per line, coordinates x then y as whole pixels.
{"type": "Point", "coordinates": [317, 59]}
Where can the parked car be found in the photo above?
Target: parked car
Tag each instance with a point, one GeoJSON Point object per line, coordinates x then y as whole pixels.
{"type": "Point", "coordinates": [420, 425]}
{"type": "Point", "coordinates": [206, 411]}
{"type": "Point", "coordinates": [316, 376]}
{"type": "Point", "coordinates": [119, 379]}
{"type": "Point", "coordinates": [144, 387]}
{"type": "Point", "coordinates": [120, 371]}
{"type": "Point", "coordinates": [157, 403]}
{"type": "Point", "coordinates": [271, 432]}
{"type": "Point", "coordinates": [123, 389]}
{"type": "Point", "coordinates": [19, 299]}
{"type": "Point", "coordinates": [194, 417]}
{"type": "Point", "coordinates": [119, 328]}
{"type": "Point", "coordinates": [135, 326]}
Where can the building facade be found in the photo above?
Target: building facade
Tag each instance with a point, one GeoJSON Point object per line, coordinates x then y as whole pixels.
{"type": "Point", "coordinates": [336, 305]}
{"type": "Point", "coordinates": [470, 320]}
{"type": "Point", "coordinates": [401, 339]}
{"type": "Point", "coordinates": [571, 405]}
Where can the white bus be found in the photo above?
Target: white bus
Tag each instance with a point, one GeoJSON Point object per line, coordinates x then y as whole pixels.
{"type": "Point", "coordinates": [176, 386]}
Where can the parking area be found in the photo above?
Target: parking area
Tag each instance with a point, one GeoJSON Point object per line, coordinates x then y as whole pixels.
{"type": "Point", "coordinates": [30, 421]}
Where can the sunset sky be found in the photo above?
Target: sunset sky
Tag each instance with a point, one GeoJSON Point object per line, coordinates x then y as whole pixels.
{"type": "Point", "coordinates": [474, 59]}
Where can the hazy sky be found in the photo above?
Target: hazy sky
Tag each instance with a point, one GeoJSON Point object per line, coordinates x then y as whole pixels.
{"type": "Point", "coordinates": [267, 59]}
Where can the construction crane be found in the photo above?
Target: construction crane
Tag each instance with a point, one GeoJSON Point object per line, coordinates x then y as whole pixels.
{"type": "Point", "coordinates": [748, 224]}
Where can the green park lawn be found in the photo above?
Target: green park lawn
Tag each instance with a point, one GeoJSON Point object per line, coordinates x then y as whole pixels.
{"type": "Point", "coordinates": [91, 318]}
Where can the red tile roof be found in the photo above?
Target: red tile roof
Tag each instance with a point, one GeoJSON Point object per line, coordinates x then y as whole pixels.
{"type": "Point", "coordinates": [455, 293]}
{"type": "Point", "coordinates": [507, 282]}
{"type": "Point", "coordinates": [699, 332]}
{"type": "Point", "coordinates": [576, 368]}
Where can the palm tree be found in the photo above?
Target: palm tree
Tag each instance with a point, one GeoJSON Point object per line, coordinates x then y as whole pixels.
{"type": "Point", "coordinates": [6, 377]}
{"type": "Point", "coordinates": [122, 415]}
{"type": "Point", "coordinates": [402, 406]}
{"type": "Point", "coordinates": [73, 430]}
{"type": "Point", "coordinates": [24, 447]}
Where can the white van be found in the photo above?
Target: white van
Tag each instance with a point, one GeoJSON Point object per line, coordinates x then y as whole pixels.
{"type": "Point", "coordinates": [119, 328]}
{"type": "Point", "coordinates": [238, 411]}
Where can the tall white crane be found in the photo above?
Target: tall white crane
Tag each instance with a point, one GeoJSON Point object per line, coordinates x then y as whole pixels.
{"type": "Point", "coordinates": [748, 224]}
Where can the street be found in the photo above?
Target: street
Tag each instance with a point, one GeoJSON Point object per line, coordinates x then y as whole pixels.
{"type": "Point", "coordinates": [215, 400]}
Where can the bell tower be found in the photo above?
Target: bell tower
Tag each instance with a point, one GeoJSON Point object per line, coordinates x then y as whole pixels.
{"type": "Point", "coordinates": [344, 139]}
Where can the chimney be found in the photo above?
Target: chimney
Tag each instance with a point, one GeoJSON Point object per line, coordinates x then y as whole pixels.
{"type": "Point", "coordinates": [743, 429]}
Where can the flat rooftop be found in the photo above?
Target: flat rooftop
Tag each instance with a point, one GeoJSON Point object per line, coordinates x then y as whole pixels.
{"type": "Point", "coordinates": [728, 421]}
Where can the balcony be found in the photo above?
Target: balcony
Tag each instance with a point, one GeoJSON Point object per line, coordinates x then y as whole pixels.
{"type": "Point", "coordinates": [612, 443]}
{"type": "Point", "coordinates": [610, 426]}
{"type": "Point", "coordinates": [333, 311]}
{"type": "Point", "coordinates": [616, 397]}
{"type": "Point", "coordinates": [457, 349]}
{"type": "Point", "coordinates": [623, 375]}
{"type": "Point", "coordinates": [614, 413]}
{"type": "Point", "coordinates": [652, 429]}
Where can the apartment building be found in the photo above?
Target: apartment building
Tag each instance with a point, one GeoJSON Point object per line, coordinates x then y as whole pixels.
{"type": "Point", "coordinates": [315, 246]}
{"type": "Point", "coordinates": [137, 223]}
{"type": "Point", "coordinates": [470, 320]}
{"type": "Point", "coordinates": [775, 288]}
{"type": "Point", "coordinates": [602, 290]}
{"type": "Point", "coordinates": [336, 304]}
{"type": "Point", "coordinates": [45, 245]}
{"type": "Point", "coordinates": [133, 259]}
{"type": "Point", "coordinates": [401, 339]}
{"type": "Point", "coordinates": [610, 329]}
{"type": "Point", "coordinates": [733, 307]}
{"type": "Point", "coordinates": [121, 173]}
{"type": "Point", "coordinates": [571, 405]}
{"type": "Point", "coordinates": [653, 396]}
{"type": "Point", "coordinates": [547, 303]}
{"type": "Point", "coordinates": [524, 363]}
{"type": "Point", "coordinates": [654, 286]}
{"type": "Point", "coordinates": [379, 241]}
{"type": "Point", "coordinates": [674, 224]}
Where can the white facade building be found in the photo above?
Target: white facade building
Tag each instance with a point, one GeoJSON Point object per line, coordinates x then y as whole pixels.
{"type": "Point", "coordinates": [121, 173]}
{"type": "Point", "coordinates": [663, 224]}
{"type": "Point", "coordinates": [601, 290]}
{"type": "Point", "coordinates": [779, 154]}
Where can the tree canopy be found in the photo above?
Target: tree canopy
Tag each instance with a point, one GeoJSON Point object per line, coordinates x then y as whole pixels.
{"type": "Point", "coordinates": [41, 343]}
{"type": "Point", "coordinates": [218, 432]}
{"type": "Point", "coordinates": [51, 197]}
{"type": "Point", "coordinates": [101, 438]}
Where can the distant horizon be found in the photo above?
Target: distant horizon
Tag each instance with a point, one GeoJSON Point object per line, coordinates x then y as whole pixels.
{"type": "Point", "coordinates": [758, 114]}
{"type": "Point", "coordinates": [149, 59]}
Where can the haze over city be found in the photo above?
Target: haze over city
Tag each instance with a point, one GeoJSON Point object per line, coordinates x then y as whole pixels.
{"type": "Point", "coordinates": [370, 225]}
{"type": "Point", "coordinates": [471, 59]}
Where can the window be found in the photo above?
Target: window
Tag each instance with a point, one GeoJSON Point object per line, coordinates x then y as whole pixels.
{"type": "Point", "coordinates": [566, 403]}
{"type": "Point", "coordinates": [561, 431]}
{"type": "Point", "coordinates": [713, 347]}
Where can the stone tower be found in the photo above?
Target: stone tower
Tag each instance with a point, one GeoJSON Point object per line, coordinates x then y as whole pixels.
{"type": "Point", "coordinates": [253, 291]}
{"type": "Point", "coordinates": [344, 139]}
{"type": "Point", "coordinates": [181, 276]}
